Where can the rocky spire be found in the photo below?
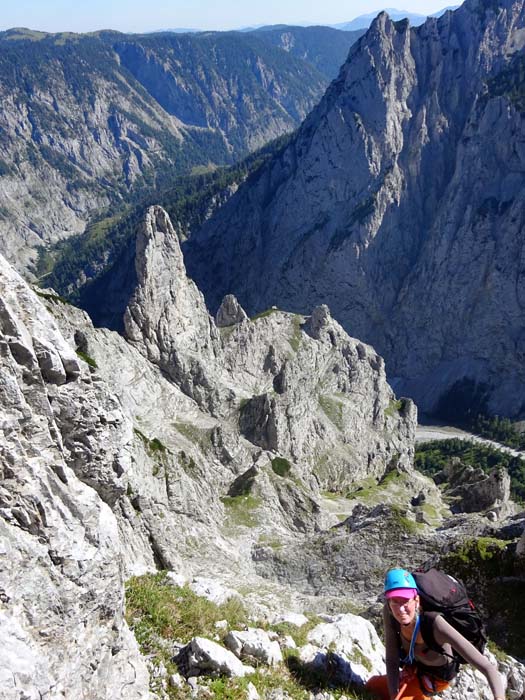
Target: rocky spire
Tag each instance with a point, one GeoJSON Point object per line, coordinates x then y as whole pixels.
{"type": "Point", "coordinates": [166, 317]}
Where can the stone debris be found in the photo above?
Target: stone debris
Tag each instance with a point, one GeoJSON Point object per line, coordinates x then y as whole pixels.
{"type": "Point", "coordinates": [255, 644]}
{"type": "Point", "coordinates": [291, 618]}
{"type": "Point", "coordinates": [212, 590]}
{"type": "Point", "coordinates": [205, 657]}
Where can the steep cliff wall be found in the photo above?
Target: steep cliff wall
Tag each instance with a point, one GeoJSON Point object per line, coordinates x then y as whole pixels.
{"type": "Point", "coordinates": [399, 204]}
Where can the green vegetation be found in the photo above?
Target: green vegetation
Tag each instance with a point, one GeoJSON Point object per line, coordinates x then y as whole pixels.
{"type": "Point", "coordinates": [281, 466]}
{"type": "Point", "coordinates": [161, 614]}
{"type": "Point", "coordinates": [174, 612]}
{"type": "Point", "coordinates": [510, 82]}
{"type": "Point", "coordinates": [465, 405]}
{"type": "Point", "coordinates": [400, 523]}
{"type": "Point", "coordinates": [333, 409]}
{"type": "Point", "coordinates": [201, 437]}
{"type": "Point", "coordinates": [154, 446]}
{"type": "Point", "coordinates": [495, 578]}
{"type": "Point", "coordinates": [90, 361]}
{"type": "Point", "coordinates": [394, 407]}
{"type": "Point", "coordinates": [264, 314]}
{"type": "Point", "coordinates": [463, 402]}
{"type": "Point", "coordinates": [53, 298]}
{"type": "Point", "coordinates": [483, 552]}
{"type": "Point", "coordinates": [271, 542]}
{"type": "Point", "coordinates": [359, 216]}
{"type": "Point", "coordinates": [241, 510]}
{"type": "Point", "coordinates": [186, 199]}
{"type": "Point", "coordinates": [297, 337]}
{"type": "Point", "coordinates": [431, 457]}
{"type": "Point", "coordinates": [188, 464]}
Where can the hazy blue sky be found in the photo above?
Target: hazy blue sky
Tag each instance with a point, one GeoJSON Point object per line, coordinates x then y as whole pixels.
{"type": "Point", "coordinates": [147, 15]}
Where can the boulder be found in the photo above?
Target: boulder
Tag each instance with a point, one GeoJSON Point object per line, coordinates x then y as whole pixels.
{"type": "Point", "coordinates": [256, 644]}
{"type": "Point", "coordinates": [212, 590]}
{"type": "Point", "coordinates": [205, 657]}
{"type": "Point", "coordinates": [348, 646]}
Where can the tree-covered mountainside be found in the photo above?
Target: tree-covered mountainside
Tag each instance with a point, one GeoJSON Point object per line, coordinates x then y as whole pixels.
{"type": "Point", "coordinates": [431, 458]}
{"type": "Point", "coordinates": [325, 48]}
{"type": "Point", "coordinates": [79, 267]}
{"type": "Point", "coordinates": [93, 122]}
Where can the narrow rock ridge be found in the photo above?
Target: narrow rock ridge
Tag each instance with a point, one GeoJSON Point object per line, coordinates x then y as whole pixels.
{"type": "Point", "coordinates": [301, 392]}
{"type": "Point", "coordinates": [166, 316]}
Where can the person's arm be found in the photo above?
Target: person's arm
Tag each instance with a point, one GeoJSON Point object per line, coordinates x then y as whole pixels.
{"type": "Point", "coordinates": [445, 633]}
{"type": "Point", "coordinates": [392, 652]}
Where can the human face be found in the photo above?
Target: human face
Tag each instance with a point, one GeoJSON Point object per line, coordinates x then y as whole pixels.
{"type": "Point", "coordinates": [404, 609]}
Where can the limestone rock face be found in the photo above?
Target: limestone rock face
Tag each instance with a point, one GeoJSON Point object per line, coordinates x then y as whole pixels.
{"type": "Point", "coordinates": [254, 644]}
{"type": "Point", "coordinates": [202, 656]}
{"type": "Point", "coordinates": [110, 468]}
{"type": "Point", "coordinates": [350, 639]}
{"type": "Point", "coordinates": [399, 205]}
{"type": "Point", "coordinates": [328, 408]}
{"type": "Point", "coordinates": [167, 317]}
{"type": "Point", "coordinates": [61, 572]}
{"type": "Point", "coordinates": [476, 491]}
{"type": "Point", "coordinates": [306, 392]}
{"type": "Point", "coordinates": [229, 312]}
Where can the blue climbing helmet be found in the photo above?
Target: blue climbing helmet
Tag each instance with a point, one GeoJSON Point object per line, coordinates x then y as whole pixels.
{"type": "Point", "coordinates": [400, 583]}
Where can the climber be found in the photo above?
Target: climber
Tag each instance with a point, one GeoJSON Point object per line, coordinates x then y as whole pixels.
{"type": "Point", "coordinates": [424, 672]}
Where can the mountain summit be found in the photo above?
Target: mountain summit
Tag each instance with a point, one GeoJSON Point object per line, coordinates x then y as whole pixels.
{"type": "Point", "coordinates": [399, 203]}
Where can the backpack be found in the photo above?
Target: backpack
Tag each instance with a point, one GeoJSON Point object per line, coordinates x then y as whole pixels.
{"type": "Point", "coordinates": [444, 595]}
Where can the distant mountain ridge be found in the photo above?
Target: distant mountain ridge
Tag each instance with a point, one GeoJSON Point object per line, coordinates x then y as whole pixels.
{"type": "Point", "coordinates": [364, 21]}
{"type": "Point", "coordinates": [94, 121]}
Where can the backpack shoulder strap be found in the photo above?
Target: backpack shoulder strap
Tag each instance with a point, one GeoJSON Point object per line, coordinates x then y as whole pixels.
{"type": "Point", "coordinates": [427, 620]}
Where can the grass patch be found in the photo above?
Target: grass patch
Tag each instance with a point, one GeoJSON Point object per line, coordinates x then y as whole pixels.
{"type": "Point", "coordinates": [161, 614]}
{"type": "Point", "coordinates": [394, 407]}
{"type": "Point", "coordinates": [297, 335]}
{"type": "Point", "coordinates": [330, 495]}
{"type": "Point", "coordinates": [199, 436]}
{"type": "Point", "coordinates": [333, 409]}
{"type": "Point", "coordinates": [53, 298]}
{"type": "Point", "coordinates": [495, 578]}
{"type": "Point", "coordinates": [242, 510]}
{"type": "Point", "coordinates": [271, 542]}
{"type": "Point", "coordinates": [373, 492]}
{"type": "Point", "coordinates": [264, 314]}
{"type": "Point", "coordinates": [154, 448]}
{"type": "Point", "coordinates": [154, 605]}
{"type": "Point", "coordinates": [84, 356]}
{"type": "Point", "coordinates": [400, 522]}
{"type": "Point", "coordinates": [281, 466]}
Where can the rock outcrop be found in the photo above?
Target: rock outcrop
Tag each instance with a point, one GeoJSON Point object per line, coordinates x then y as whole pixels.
{"type": "Point", "coordinates": [110, 468]}
{"type": "Point", "coordinates": [166, 317]}
{"type": "Point", "coordinates": [61, 575]}
{"type": "Point", "coordinates": [399, 204]}
{"type": "Point", "coordinates": [304, 390]}
{"type": "Point", "coordinates": [473, 490]}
